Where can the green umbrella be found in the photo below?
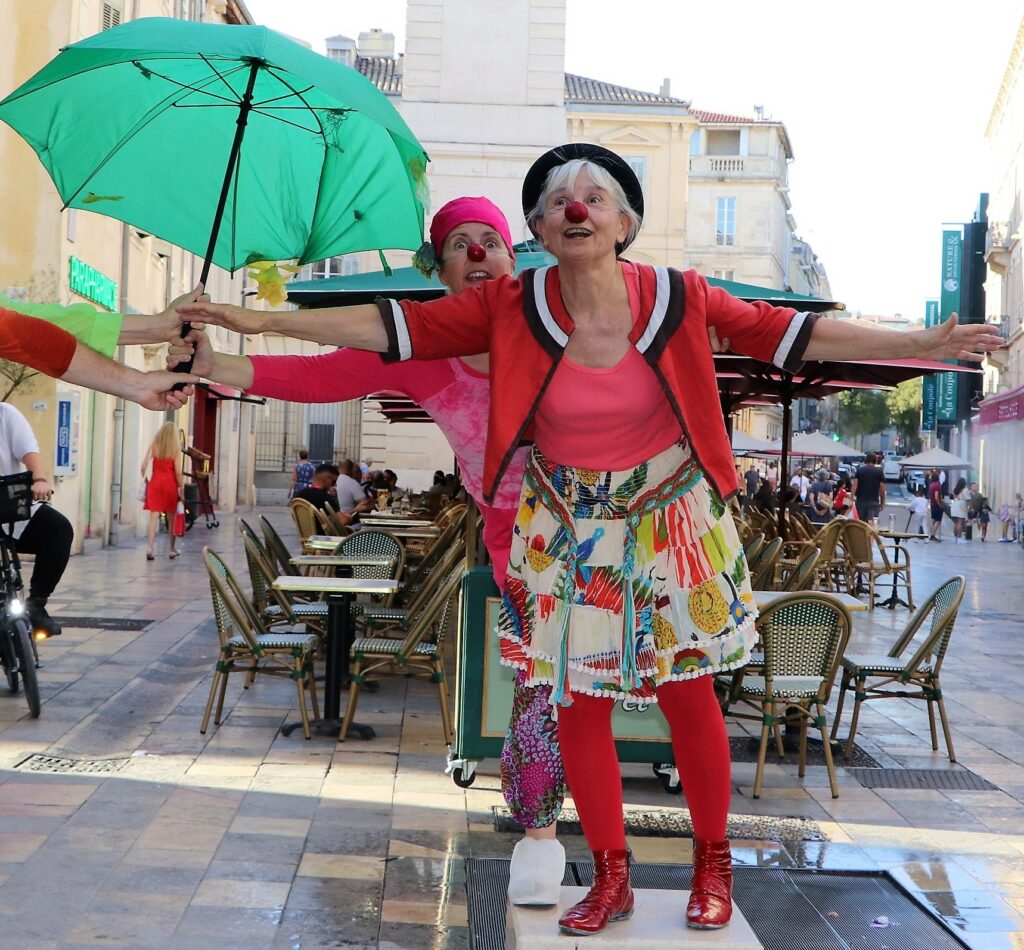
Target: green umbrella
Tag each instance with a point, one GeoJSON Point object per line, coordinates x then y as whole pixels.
{"type": "Point", "coordinates": [176, 127]}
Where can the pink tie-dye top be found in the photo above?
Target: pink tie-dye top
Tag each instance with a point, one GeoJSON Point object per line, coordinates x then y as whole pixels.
{"type": "Point", "coordinates": [455, 396]}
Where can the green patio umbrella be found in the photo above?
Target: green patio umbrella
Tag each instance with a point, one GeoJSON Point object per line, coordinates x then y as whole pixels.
{"type": "Point", "coordinates": [232, 142]}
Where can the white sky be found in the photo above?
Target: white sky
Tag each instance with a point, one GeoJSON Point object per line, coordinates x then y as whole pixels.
{"type": "Point", "coordinates": [885, 102]}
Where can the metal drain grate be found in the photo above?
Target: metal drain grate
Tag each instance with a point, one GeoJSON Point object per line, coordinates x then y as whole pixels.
{"type": "Point", "coordinates": [60, 765]}
{"type": "Point", "coordinates": [787, 909]}
{"type": "Point", "coordinates": [745, 749]}
{"type": "Point", "coordinates": [675, 823]}
{"type": "Point", "coordinates": [105, 623]}
{"type": "Point", "coordinates": [962, 780]}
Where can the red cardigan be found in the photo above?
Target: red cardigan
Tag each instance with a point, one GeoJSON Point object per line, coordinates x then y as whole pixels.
{"type": "Point", "coordinates": [35, 343]}
{"type": "Point", "coordinates": [524, 325]}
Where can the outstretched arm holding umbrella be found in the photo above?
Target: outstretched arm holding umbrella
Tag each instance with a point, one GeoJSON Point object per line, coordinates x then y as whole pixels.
{"type": "Point", "coordinates": [361, 327]}
{"type": "Point", "coordinates": [51, 350]}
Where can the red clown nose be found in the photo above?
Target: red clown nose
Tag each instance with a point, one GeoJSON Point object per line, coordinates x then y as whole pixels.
{"type": "Point", "coordinates": [476, 253]}
{"type": "Point", "coordinates": [576, 212]}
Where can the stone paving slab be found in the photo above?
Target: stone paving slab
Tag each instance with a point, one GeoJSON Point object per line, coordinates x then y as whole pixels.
{"type": "Point", "coordinates": [243, 837]}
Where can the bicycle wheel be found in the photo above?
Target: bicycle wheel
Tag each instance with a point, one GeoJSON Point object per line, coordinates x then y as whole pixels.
{"type": "Point", "coordinates": [22, 630]}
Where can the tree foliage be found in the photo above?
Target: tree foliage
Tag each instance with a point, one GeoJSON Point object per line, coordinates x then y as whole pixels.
{"type": "Point", "coordinates": [904, 404]}
{"type": "Point", "coordinates": [861, 412]}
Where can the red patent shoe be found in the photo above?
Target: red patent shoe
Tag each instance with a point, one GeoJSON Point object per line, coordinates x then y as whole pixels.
{"type": "Point", "coordinates": [710, 905]}
{"type": "Point", "coordinates": [610, 897]}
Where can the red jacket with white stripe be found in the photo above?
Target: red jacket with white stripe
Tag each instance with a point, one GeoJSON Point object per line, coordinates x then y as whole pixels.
{"type": "Point", "coordinates": [525, 327]}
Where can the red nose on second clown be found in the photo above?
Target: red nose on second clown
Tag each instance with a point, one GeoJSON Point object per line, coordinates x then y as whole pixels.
{"type": "Point", "coordinates": [476, 253]}
{"type": "Point", "coordinates": [576, 212]}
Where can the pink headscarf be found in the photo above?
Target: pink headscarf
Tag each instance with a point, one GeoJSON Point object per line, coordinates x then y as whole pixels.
{"type": "Point", "coordinates": [459, 211]}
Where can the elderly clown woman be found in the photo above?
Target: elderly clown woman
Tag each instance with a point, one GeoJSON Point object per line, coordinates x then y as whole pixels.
{"type": "Point", "coordinates": [626, 578]}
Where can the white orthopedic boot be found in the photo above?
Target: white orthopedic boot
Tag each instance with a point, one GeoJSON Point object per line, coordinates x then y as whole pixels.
{"type": "Point", "coordinates": [536, 871]}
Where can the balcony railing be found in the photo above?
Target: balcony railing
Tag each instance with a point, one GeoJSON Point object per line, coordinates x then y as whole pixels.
{"type": "Point", "coordinates": [737, 166]}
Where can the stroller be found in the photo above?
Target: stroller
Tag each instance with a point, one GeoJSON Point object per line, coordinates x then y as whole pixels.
{"type": "Point", "coordinates": [198, 501]}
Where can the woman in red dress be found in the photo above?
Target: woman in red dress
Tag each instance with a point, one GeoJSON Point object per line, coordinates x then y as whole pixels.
{"type": "Point", "coordinates": [165, 486]}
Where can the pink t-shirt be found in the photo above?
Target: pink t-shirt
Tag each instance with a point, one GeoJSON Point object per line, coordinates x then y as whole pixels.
{"type": "Point", "coordinates": [455, 396]}
{"type": "Point", "coordinates": [609, 418]}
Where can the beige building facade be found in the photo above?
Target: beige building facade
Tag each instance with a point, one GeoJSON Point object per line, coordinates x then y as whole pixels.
{"type": "Point", "coordinates": [998, 447]}
{"type": "Point", "coordinates": [74, 256]}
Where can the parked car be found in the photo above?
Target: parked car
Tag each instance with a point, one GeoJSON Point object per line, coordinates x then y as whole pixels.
{"type": "Point", "coordinates": [916, 479]}
{"type": "Point", "coordinates": [891, 470]}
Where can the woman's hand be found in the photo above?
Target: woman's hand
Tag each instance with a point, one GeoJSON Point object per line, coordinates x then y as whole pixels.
{"type": "Point", "coordinates": [953, 340]}
{"type": "Point", "coordinates": [239, 319]}
{"type": "Point", "coordinates": [195, 343]}
{"type": "Point", "coordinates": [155, 390]}
{"type": "Point", "coordinates": [169, 321]}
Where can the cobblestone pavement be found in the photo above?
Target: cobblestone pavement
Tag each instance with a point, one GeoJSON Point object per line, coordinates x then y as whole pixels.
{"type": "Point", "coordinates": [246, 838]}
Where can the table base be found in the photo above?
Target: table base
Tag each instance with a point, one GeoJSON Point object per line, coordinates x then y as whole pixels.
{"type": "Point", "coordinates": [332, 727]}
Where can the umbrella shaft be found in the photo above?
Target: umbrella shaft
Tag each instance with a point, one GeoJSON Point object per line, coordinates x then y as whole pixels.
{"type": "Point", "coordinates": [244, 108]}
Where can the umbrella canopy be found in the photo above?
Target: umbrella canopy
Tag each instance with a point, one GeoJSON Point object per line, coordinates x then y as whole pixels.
{"type": "Point", "coordinates": [173, 126]}
{"type": "Point", "coordinates": [404, 283]}
{"type": "Point", "coordinates": [407, 283]}
{"type": "Point", "coordinates": [742, 442]}
{"type": "Point", "coordinates": [815, 445]}
{"type": "Point", "coordinates": [935, 458]}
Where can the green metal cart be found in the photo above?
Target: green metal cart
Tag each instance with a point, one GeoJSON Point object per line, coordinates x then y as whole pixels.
{"type": "Point", "coordinates": [483, 698]}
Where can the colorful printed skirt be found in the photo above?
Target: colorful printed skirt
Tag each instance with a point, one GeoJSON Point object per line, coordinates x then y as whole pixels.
{"type": "Point", "coordinates": [621, 581]}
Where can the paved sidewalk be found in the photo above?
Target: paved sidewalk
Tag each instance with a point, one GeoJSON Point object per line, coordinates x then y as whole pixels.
{"type": "Point", "coordinates": [245, 838]}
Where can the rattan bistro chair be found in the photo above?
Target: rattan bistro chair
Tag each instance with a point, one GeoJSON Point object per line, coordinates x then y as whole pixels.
{"type": "Point", "coordinates": [276, 607]}
{"type": "Point", "coordinates": [831, 566]}
{"type": "Point", "coordinates": [803, 635]}
{"type": "Point", "coordinates": [860, 543]}
{"type": "Point", "coordinates": [762, 572]}
{"type": "Point", "coordinates": [280, 556]}
{"type": "Point", "coordinates": [890, 675]}
{"type": "Point", "coordinates": [246, 646]}
{"type": "Point", "coordinates": [307, 518]}
{"type": "Point", "coordinates": [802, 575]}
{"type": "Point", "coordinates": [752, 549]}
{"type": "Point", "coordinates": [417, 655]}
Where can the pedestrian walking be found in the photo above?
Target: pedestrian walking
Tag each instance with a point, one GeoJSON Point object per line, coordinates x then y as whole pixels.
{"type": "Point", "coordinates": [165, 485]}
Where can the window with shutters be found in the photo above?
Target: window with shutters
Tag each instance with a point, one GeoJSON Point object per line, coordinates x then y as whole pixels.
{"type": "Point", "coordinates": [113, 12]}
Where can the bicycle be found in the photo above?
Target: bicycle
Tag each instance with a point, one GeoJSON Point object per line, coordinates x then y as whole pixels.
{"type": "Point", "coordinates": [18, 654]}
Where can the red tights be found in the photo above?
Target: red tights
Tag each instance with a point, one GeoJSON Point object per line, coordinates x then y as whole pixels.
{"type": "Point", "coordinates": [699, 742]}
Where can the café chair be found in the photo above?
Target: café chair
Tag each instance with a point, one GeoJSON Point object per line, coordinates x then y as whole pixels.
{"type": "Point", "coordinates": [415, 655]}
{"type": "Point", "coordinates": [861, 543]}
{"type": "Point", "coordinates": [246, 646]}
{"type": "Point", "coordinates": [752, 549]}
{"type": "Point", "coordinates": [802, 574]}
{"type": "Point", "coordinates": [277, 607]}
{"type": "Point", "coordinates": [307, 518]}
{"type": "Point", "coordinates": [762, 571]}
{"type": "Point", "coordinates": [803, 635]}
{"type": "Point", "coordinates": [915, 676]}
{"type": "Point", "coordinates": [277, 550]}
{"type": "Point", "coordinates": [831, 566]}
{"type": "Point", "coordinates": [374, 543]}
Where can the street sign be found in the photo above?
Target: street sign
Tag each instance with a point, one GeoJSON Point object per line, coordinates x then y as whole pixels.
{"type": "Point", "coordinates": [929, 388]}
{"type": "Point", "coordinates": [949, 303]}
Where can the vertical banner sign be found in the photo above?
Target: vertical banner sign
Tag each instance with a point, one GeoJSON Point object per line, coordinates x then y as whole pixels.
{"type": "Point", "coordinates": [949, 303]}
{"type": "Point", "coordinates": [929, 387]}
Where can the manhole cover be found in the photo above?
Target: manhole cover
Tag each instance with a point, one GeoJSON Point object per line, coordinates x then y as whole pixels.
{"type": "Point", "coordinates": [105, 623]}
{"type": "Point", "coordinates": [60, 765]}
{"type": "Point", "coordinates": [963, 780]}
{"type": "Point", "coordinates": [675, 823]}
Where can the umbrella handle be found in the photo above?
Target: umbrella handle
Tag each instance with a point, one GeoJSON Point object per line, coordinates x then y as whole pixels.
{"type": "Point", "coordinates": [185, 367]}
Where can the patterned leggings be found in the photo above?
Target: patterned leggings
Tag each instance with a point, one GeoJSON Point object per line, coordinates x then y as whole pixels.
{"type": "Point", "coordinates": [532, 775]}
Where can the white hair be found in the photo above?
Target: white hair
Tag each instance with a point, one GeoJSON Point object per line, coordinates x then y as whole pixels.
{"type": "Point", "coordinates": [564, 177]}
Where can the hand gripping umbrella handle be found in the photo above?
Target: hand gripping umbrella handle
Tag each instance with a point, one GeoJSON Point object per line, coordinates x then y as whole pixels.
{"type": "Point", "coordinates": [186, 366]}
